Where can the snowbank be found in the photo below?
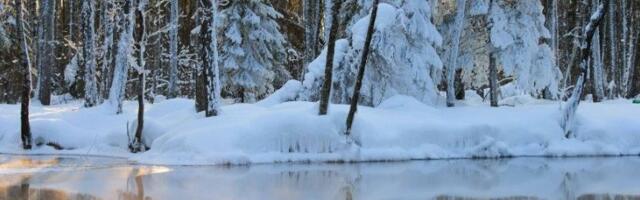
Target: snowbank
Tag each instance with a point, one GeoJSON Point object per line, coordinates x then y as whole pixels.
{"type": "Point", "coordinates": [401, 128]}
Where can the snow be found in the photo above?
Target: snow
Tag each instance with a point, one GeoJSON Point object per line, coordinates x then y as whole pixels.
{"type": "Point", "coordinates": [400, 128]}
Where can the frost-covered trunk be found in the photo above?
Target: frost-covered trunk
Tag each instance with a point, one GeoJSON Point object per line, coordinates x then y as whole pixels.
{"type": "Point", "coordinates": [107, 19]}
{"type": "Point", "coordinates": [90, 84]}
{"type": "Point", "coordinates": [325, 92]}
{"type": "Point", "coordinates": [173, 50]}
{"type": "Point", "coordinates": [46, 50]}
{"type": "Point", "coordinates": [138, 144]}
{"type": "Point", "coordinates": [624, 78]}
{"type": "Point", "coordinates": [25, 64]}
{"type": "Point", "coordinates": [597, 70]}
{"type": "Point", "coordinates": [361, 68]}
{"type": "Point", "coordinates": [493, 69]}
{"type": "Point", "coordinates": [554, 30]}
{"type": "Point", "coordinates": [214, 86]}
{"type": "Point", "coordinates": [613, 48]}
{"type": "Point", "coordinates": [569, 110]}
{"type": "Point", "coordinates": [311, 15]}
{"type": "Point", "coordinates": [119, 83]}
{"type": "Point", "coordinates": [453, 56]}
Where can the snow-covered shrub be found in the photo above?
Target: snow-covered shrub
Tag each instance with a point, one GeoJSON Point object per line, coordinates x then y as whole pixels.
{"type": "Point", "coordinates": [403, 59]}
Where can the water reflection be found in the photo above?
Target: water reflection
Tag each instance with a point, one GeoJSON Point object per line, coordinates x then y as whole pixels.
{"type": "Point", "coordinates": [517, 179]}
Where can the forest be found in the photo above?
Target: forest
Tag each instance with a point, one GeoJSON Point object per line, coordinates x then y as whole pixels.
{"type": "Point", "coordinates": [163, 74]}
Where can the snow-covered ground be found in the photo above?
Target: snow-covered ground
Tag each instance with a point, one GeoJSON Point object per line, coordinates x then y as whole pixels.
{"type": "Point", "coordinates": [400, 128]}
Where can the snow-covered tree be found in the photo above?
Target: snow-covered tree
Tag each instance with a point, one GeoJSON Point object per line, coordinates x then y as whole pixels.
{"type": "Point", "coordinates": [91, 95]}
{"type": "Point", "coordinates": [252, 49]}
{"type": "Point", "coordinates": [46, 50]}
{"type": "Point", "coordinates": [118, 85]}
{"type": "Point", "coordinates": [173, 89]}
{"type": "Point", "coordinates": [4, 37]}
{"type": "Point", "coordinates": [516, 31]}
{"type": "Point", "coordinates": [138, 144]}
{"type": "Point", "coordinates": [325, 92]}
{"type": "Point", "coordinates": [454, 50]}
{"type": "Point", "coordinates": [403, 59]}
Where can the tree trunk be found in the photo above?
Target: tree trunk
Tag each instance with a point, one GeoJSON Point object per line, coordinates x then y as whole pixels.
{"type": "Point", "coordinates": [90, 83]}
{"type": "Point", "coordinates": [25, 64]}
{"type": "Point", "coordinates": [493, 69]}
{"type": "Point", "coordinates": [46, 50]}
{"type": "Point", "coordinates": [325, 93]}
{"type": "Point", "coordinates": [173, 50]}
{"type": "Point", "coordinates": [138, 144]}
{"type": "Point", "coordinates": [200, 72]}
{"type": "Point", "coordinates": [453, 56]}
{"type": "Point", "coordinates": [210, 59]}
{"type": "Point", "coordinates": [589, 30]}
{"type": "Point", "coordinates": [361, 69]}
{"type": "Point", "coordinates": [311, 15]}
{"type": "Point", "coordinates": [119, 83]}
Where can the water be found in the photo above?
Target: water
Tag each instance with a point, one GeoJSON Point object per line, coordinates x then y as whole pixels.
{"type": "Point", "coordinates": [56, 178]}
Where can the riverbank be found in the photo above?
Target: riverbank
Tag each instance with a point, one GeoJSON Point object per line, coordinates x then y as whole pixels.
{"type": "Point", "coordinates": [401, 128]}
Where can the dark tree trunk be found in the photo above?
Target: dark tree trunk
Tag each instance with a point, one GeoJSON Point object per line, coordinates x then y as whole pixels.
{"type": "Point", "coordinates": [493, 70]}
{"type": "Point", "coordinates": [363, 63]}
{"type": "Point", "coordinates": [325, 92]}
{"type": "Point", "coordinates": [46, 50]}
{"type": "Point", "coordinates": [205, 41]}
{"type": "Point", "coordinates": [585, 54]}
{"type": "Point", "coordinates": [138, 145]}
{"type": "Point", "coordinates": [493, 80]}
{"type": "Point", "coordinates": [25, 64]}
{"type": "Point", "coordinates": [459, 85]}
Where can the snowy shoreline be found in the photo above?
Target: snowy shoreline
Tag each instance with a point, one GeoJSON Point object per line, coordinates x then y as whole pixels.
{"type": "Point", "coordinates": [399, 129]}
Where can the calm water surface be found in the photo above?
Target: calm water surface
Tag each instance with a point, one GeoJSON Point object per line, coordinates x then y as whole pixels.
{"type": "Point", "coordinates": [53, 178]}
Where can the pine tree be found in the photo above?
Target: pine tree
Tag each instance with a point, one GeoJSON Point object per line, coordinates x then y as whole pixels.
{"type": "Point", "coordinates": [25, 64]}
{"type": "Point", "coordinates": [91, 95]}
{"type": "Point", "coordinates": [252, 49]}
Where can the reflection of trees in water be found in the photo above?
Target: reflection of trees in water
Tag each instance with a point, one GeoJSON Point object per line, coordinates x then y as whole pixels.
{"type": "Point", "coordinates": [23, 191]}
{"type": "Point", "coordinates": [137, 186]}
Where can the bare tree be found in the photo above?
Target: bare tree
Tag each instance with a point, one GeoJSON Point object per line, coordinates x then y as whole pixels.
{"type": "Point", "coordinates": [361, 69]}
{"type": "Point", "coordinates": [493, 69]}
{"type": "Point", "coordinates": [325, 92]}
{"type": "Point", "coordinates": [25, 64]}
{"type": "Point", "coordinates": [173, 50]}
